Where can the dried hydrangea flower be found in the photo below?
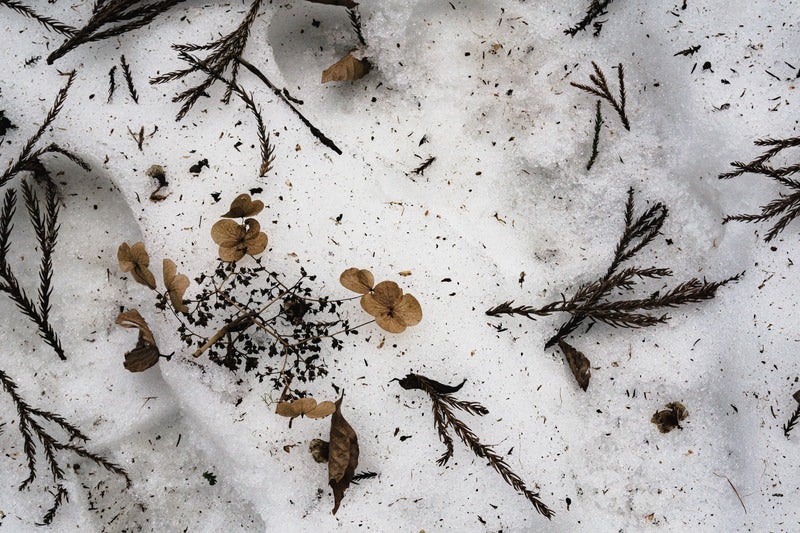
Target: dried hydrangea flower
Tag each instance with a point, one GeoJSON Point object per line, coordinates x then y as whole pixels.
{"type": "Point", "coordinates": [242, 206]}
{"type": "Point", "coordinates": [360, 281]}
{"type": "Point", "coordinates": [176, 285]}
{"type": "Point", "coordinates": [134, 259]}
{"type": "Point", "coordinates": [393, 310]}
{"type": "Point", "coordinates": [305, 406]}
{"type": "Point", "coordinates": [236, 240]}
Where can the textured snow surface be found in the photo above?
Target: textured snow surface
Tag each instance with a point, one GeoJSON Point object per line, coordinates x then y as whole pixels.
{"type": "Point", "coordinates": [487, 84]}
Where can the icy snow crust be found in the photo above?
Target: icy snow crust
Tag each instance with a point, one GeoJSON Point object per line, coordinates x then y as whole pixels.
{"type": "Point", "coordinates": [487, 83]}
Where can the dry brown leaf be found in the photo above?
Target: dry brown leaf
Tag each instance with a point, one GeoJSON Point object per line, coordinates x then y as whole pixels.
{"type": "Point", "coordinates": [670, 418]}
{"type": "Point", "coordinates": [176, 285]}
{"type": "Point", "coordinates": [134, 259]}
{"type": "Point", "coordinates": [393, 310]}
{"type": "Point", "coordinates": [242, 206]}
{"type": "Point", "coordinates": [145, 354]}
{"type": "Point", "coordinates": [348, 68]}
{"type": "Point", "coordinates": [236, 240]}
{"type": "Point", "coordinates": [305, 406]}
{"type": "Point", "coordinates": [342, 455]}
{"type": "Point", "coordinates": [319, 450]}
{"type": "Point", "coordinates": [349, 4]}
{"type": "Point", "coordinates": [578, 363]}
{"type": "Point", "coordinates": [360, 281]}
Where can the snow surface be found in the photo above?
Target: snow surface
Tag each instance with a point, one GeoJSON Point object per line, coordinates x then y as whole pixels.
{"type": "Point", "coordinates": [487, 82]}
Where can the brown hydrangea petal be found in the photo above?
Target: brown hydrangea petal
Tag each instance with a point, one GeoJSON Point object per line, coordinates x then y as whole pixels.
{"type": "Point", "coordinates": [132, 319]}
{"type": "Point", "coordinates": [134, 259]}
{"type": "Point", "coordinates": [176, 285]}
{"type": "Point", "coordinates": [360, 281]}
{"type": "Point", "coordinates": [392, 324]}
{"type": "Point", "coordinates": [305, 406]}
{"type": "Point", "coordinates": [255, 240]}
{"type": "Point", "coordinates": [322, 410]}
{"type": "Point", "coordinates": [227, 233]}
{"type": "Point", "coordinates": [242, 206]}
{"type": "Point", "coordinates": [408, 310]}
{"type": "Point", "coordinates": [386, 295]}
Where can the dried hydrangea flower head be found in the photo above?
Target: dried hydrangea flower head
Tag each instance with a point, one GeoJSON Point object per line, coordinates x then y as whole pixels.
{"type": "Point", "coordinates": [243, 206]}
{"type": "Point", "coordinates": [236, 240]}
{"type": "Point", "coordinates": [134, 259]}
{"type": "Point", "coordinates": [307, 407]}
{"type": "Point", "coordinates": [176, 285]}
{"type": "Point", "coordinates": [393, 310]}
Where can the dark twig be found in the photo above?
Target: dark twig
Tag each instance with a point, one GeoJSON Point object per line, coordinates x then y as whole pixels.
{"type": "Point", "coordinates": [591, 301]}
{"type": "Point", "coordinates": [32, 430]}
{"type": "Point", "coordinates": [597, 8]}
{"type": "Point", "coordinates": [126, 72]}
{"type": "Point", "coordinates": [314, 130]}
{"type": "Point", "coordinates": [112, 83]}
{"type": "Point", "coordinates": [444, 418]}
{"type": "Point", "coordinates": [794, 419]}
{"type": "Point", "coordinates": [267, 149]}
{"type": "Point", "coordinates": [602, 90]}
{"type": "Point", "coordinates": [598, 122]}
{"type": "Point", "coordinates": [786, 207]}
{"type": "Point", "coordinates": [49, 23]}
{"type": "Point", "coordinates": [223, 53]}
{"type": "Point", "coordinates": [355, 22]}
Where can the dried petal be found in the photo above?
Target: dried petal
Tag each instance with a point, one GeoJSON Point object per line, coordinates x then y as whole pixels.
{"type": "Point", "coordinates": [578, 363]}
{"type": "Point", "coordinates": [134, 259]}
{"type": "Point", "coordinates": [242, 206]}
{"type": "Point", "coordinates": [409, 311]}
{"type": "Point", "coordinates": [146, 353]}
{"type": "Point", "coordinates": [348, 68]}
{"type": "Point", "coordinates": [305, 406]}
{"type": "Point", "coordinates": [385, 295]}
{"type": "Point", "coordinates": [322, 410]}
{"type": "Point", "coordinates": [255, 239]}
{"type": "Point", "coordinates": [389, 323]}
{"type": "Point", "coordinates": [342, 455]}
{"type": "Point", "coordinates": [141, 358]}
{"type": "Point", "coordinates": [176, 285]}
{"type": "Point", "coordinates": [360, 281]}
{"type": "Point", "coordinates": [319, 450]}
{"type": "Point", "coordinates": [670, 418]}
{"type": "Point", "coordinates": [132, 319]}
{"type": "Point", "coordinates": [227, 233]}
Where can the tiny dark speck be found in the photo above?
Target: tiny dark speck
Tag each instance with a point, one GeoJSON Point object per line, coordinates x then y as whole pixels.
{"type": "Point", "coordinates": [404, 438]}
{"type": "Point", "coordinates": [707, 65]}
{"type": "Point", "coordinates": [315, 23]}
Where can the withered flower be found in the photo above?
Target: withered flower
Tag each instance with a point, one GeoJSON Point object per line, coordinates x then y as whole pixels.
{"type": "Point", "coordinates": [134, 259]}
{"type": "Point", "coordinates": [145, 354]}
{"type": "Point", "coordinates": [236, 240]}
{"type": "Point", "coordinates": [393, 310]}
{"type": "Point", "coordinates": [242, 206]}
{"type": "Point", "coordinates": [360, 281]}
{"type": "Point", "coordinates": [305, 406]}
{"type": "Point", "coordinates": [176, 285]}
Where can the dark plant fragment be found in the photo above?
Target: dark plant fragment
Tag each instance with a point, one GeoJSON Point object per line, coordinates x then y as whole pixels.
{"type": "Point", "coordinates": [444, 418]}
{"type": "Point", "coordinates": [795, 418]}
{"type": "Point", "coordinates": [126, 73]}
{"type": "Point", "coordinates": [49, 23]}
{"type": "Point", "coordinates": [670, 418]}
{"type": "Point", "coordinates": [597, 8]}
{"type": "Point", "coordinates": [592, 301]}
{"type": "Point", "coordinates": [342, 455]}
{"type": "Point", "coordinates": [786, 207]}
{"type": "Point", "coordinates": [598, 122]}
{"type": "Point", "coordinates": [5, 123]}
{"type": "Point", "coordinates": [32, 430]}
{"type": "Point", "coordinates": [578, 363]}
{"type": "Point", "coordinates": [601, 90]}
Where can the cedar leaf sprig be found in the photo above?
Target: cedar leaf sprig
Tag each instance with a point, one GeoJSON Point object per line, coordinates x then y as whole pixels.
{"type": "Point", "coordinates": [112, 18]}
{"type": "Point", "coordinates": [224, 52]}
{"type": "Point", "coordinates": [49, 23]}
{"type": "Point", "coordinates": [32, 430]}
{"type": "Point", "coordinates": [598, 123]}
{"type": "Point", "coordinates": [597, 8]}
{"type": "Point", "coordinates": [784, 208]}
{"type": "Point", "coordinates": [602, 90]}
{"type": "Point", "coordinates": [444, 419]}
{"type": "Point", "coordinates": [591, 301]}
{"type": "Point", "coordinates": [794, 419]}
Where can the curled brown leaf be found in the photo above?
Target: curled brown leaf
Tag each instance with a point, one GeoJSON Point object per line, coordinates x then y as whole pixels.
{"type": "Point", "coordinates": [348, 68]}
{"type": "Point", "coordinates": [578, 363]}
{"type": "Point", "coordinates": [145, 354]}
{"type": "Point", "coordinates": [176, 285]}
{"type": "Point", "coordinates": [342, 455]}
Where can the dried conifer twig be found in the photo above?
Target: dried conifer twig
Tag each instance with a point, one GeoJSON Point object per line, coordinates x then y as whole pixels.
{"type": "Point", "coordinates": [32, 431]}
{"type": "Point", "coordinates": [597, 8]}
{"type": "Point", "coordinates": [591, 301]}
{"type": "Point", "coordinates": [598, 122]}
{"type": "Point", "coordinates": [444, 418]}
{"type": "Point", "coordinates": [794, 419]}
{"type": "Point", "coordinates": [223, 53]}
{"type": "Point", "coordinates": [355, 22]}
{"type": "Point", "coordinates": [126, 72]}
{"type": "Point", "coordinates": [49, 23]}
{"type": "Point", "coordinates": [267, 148]}
{"type": "Point", "coordinates": [314, 130]}
{"type": "Point", "coordinates": [786, 207]}
{"type": "Point", "coordinates": [112, 83]}
{"type": "Point", "coordinates": [602, 90]}
{"type": "Point", "coordinates": [112, 18]}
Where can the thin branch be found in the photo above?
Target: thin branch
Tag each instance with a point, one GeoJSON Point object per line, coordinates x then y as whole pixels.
{"type": "Point", "coordinates": [50, 24]}
{"type": "Point", "coordinates": [601, 90]}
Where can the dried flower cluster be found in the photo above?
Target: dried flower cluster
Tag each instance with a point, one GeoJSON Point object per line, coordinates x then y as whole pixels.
{"type": "Point", "coordinates": [393, 311]}
{"type": "Point", "coordinates": [237, 240]}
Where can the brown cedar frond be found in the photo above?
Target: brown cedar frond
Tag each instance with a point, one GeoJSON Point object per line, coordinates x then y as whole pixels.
{"type": "Point", "coordinates": [225, 52]}
{"type": "Point", "coordinates": [591, 300]}
{"type": "Point", "coordinates": [267, 149]}
{"type": "Point", "coordinates": [32, 430]}
{"type": "Point", "coordinates": [444, 418]}
{"type": "Point", "coordinates": [602, 90]}
{"type": "Point", "coordinates": [597, 8]}
{"type": "Point", "coordinates": [50, 24]}
{"type": "Point", "coordinates": [785, 208]}
{"type": "Point", "coordinates": [112, 18]}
